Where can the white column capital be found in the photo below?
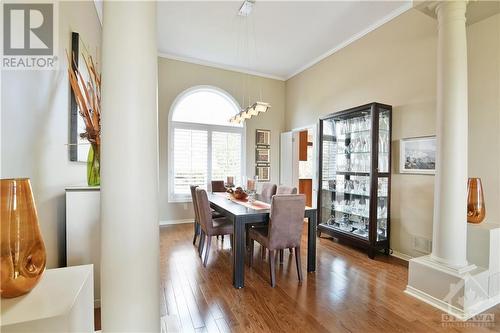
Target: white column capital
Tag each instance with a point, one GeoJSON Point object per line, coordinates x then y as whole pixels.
{"type": "Point", "coordinates": [431, 7]}
{"type": "Point", "coordinates": [450, 10]}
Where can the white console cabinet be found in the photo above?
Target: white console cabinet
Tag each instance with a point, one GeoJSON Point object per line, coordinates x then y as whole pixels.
{"type": "Point", "coordinates": [83, 231]}
{"type": "Point", "coordinates": [62, 301]}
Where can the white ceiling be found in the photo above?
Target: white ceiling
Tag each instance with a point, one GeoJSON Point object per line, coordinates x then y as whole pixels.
{"type": "Point", "coordinates": [290, 35]}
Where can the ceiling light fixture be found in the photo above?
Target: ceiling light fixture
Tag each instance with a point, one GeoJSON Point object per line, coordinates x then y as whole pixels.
{"type": "Point", "coordinates": [246, 8]}
{"type": "Point", "coordinates": [257, 107]}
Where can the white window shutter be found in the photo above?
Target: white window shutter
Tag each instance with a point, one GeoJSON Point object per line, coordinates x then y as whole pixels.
{"type": "Point", "coordinates": [190, 160]}
{"type": "Point", "coordinates": [226, 156]}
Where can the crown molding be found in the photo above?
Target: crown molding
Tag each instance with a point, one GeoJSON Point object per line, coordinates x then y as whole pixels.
{"type": "Point", "coordinates": [219, 66]}
{"type": "Point", "coordinates": [395, 13]}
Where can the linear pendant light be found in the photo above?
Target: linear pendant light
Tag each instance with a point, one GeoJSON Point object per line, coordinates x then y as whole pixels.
{"type": "Point", "coordinates": [250, 111]}
{"type": "Point", "coordinates": [257, 107]}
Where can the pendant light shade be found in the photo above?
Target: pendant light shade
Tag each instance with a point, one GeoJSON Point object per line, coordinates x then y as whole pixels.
{"type": "Point", "coordinates": [245, 114]}
{"type": "Point", "coordinates": [252, 111]}
{"type": "Point", "coordinates": [261, 107]}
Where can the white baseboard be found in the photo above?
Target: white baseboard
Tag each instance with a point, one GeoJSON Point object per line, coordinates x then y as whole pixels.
{"type": "Point", "coordinates": [401, 256]}
{"type": "Point", "coordinates": [170, 222]}
{"type": "Point", "coordinates": [452, 310]}
{"type": "Point", "coordinates": [437, 303]}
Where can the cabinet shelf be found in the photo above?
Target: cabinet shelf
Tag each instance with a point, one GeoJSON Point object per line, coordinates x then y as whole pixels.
{"type": "Point", "coordinates": [369, 204]}
{"type": "Point", "coordinates": [351, 231]}
{"type": "Point", "coordinates": [365, 195]}
{"type": "Point", "coordinates": [346, 211]}
{"type": "Point", "coordinates": [359, 152]}
{"type": "Point", "coordinates": [352, 173]}
{"type": "Point", "coordinates": [381, 130]}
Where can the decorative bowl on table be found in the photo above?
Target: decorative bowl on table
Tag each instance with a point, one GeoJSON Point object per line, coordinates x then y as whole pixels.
{"type": "Point", "coordinates": [239, 194]}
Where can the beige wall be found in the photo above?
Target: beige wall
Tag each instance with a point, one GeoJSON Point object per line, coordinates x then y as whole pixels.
{"type": "Point", "coordinates": [35, 126]}
{"type": "Point", "coordinates": [176, 76]}
{"type": "Point", "coordinates": [484, 110]}
{"type": "Point", "coordinates": [396, 65]}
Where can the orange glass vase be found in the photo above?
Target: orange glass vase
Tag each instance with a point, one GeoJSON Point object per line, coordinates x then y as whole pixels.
{"type": "Point", "coordinates": [22, 250]}
{"type": "Point", "coordinates": [476, 210]}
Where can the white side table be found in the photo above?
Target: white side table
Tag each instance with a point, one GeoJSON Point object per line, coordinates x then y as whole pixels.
{"type": "Point", "coordinates": [63, 301]}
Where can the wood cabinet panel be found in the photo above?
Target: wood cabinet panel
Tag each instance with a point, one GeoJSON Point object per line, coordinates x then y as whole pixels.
{"type": "Point", "coordinates": [305, 187]}
{"type": "Point", "coordinates": [303, 146]}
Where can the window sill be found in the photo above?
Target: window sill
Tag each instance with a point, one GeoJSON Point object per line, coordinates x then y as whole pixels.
{"type": "Point", "coordinates": [179, 200]}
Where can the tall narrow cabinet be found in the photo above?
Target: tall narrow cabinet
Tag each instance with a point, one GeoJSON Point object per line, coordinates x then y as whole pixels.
{"type": "Point", "coordinates": [83, 231]}
{"type": "Point", "coordinates": [355, 177]}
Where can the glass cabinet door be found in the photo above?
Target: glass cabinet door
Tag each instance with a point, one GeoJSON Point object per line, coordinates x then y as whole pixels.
{"type": "Point", "coordinates": [384, 144]}
{"type": "Point", "coordinates": [382, 208]}
{"type": "Point", "coordinates": [383, 141]}
{"type": "Point", "coordinates": [346, 166]}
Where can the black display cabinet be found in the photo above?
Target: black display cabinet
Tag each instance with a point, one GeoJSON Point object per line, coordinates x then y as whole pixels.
{"type": "Point", "coordinates": [355, 178]}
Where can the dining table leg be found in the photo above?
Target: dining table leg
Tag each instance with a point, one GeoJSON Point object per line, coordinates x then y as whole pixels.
{"type": "Point", "coordinates": [239, 250]}
{"type": "Point", "coordinates": [311, 241]}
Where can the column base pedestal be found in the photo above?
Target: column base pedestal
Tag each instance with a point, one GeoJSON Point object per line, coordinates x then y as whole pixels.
{"type": "Point", "coordinates": [462, 293]}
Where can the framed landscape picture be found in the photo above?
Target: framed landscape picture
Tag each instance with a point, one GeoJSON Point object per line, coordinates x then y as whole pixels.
{"type": "Point", "coordinates": [263, 137]}
{"type": "Point", "coordinates": [262, 155]}
{"type": "Point", "coordinates": [263, 173]}
{"type": "Point", "coordinates": [418, 155]}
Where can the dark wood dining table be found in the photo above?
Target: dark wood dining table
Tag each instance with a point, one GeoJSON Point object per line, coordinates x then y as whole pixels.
{"type": "Point", "coordinates": [240, 216]}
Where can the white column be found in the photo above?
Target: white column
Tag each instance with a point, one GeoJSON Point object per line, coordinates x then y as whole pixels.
{"type": "Point", "coordinates": [450, 213]}
{"type": "Point", "coordinates": [129, 169]}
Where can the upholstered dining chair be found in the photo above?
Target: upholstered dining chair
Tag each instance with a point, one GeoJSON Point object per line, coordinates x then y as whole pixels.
{"type": "Point", "coordinates": [283, 189]}
{"type": "Point", "coordinates": [286, 220]}
{"type": "Point", "coordinates": [218, 186]}
{"type": "Point", "coordinates": [268, 190]}
{"type": "Point", "coordinates": [210, 226]}
{"type": "Point", "coordinates": [192, 188]}
{"type": "Point", "coordinates": [266, 193]}
{"type": "Point", "coordinates": [197, 218]}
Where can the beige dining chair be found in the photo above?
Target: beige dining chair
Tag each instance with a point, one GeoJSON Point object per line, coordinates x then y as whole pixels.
{"type": "Point", "coordinates": [268, 190]}
{"type": "Point", "coordinates": [210, 226]}
{"type": "Point", "coordinates": [283, 189]}
{"type": "Point", "coordinates": [197, 229]}
{"type": "Point", "coordinates": [284, 230]}
{"type": "Point", "coordinates": [266, 194]}
{"type": "Point", "coordinates": [218, 186]}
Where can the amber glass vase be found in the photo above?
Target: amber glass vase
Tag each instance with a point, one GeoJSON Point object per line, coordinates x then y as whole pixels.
{"type": "Point", "coordinates": [22, 250]}
{"type": "Point", "coordinates": [476, 210]}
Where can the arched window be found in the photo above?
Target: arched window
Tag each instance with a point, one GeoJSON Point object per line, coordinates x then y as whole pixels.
{"type": "Point", "coordinates": [204, 145]}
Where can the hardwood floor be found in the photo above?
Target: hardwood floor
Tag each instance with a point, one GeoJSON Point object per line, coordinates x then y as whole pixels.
{"type": "Point", "coordinates": [347, 293]}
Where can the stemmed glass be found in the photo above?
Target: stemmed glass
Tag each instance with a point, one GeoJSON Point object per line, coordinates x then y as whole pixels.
{"type": "Point", "coordinates": [382, 227]}
{"type": "Point", "coordinates": [384, 122]}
